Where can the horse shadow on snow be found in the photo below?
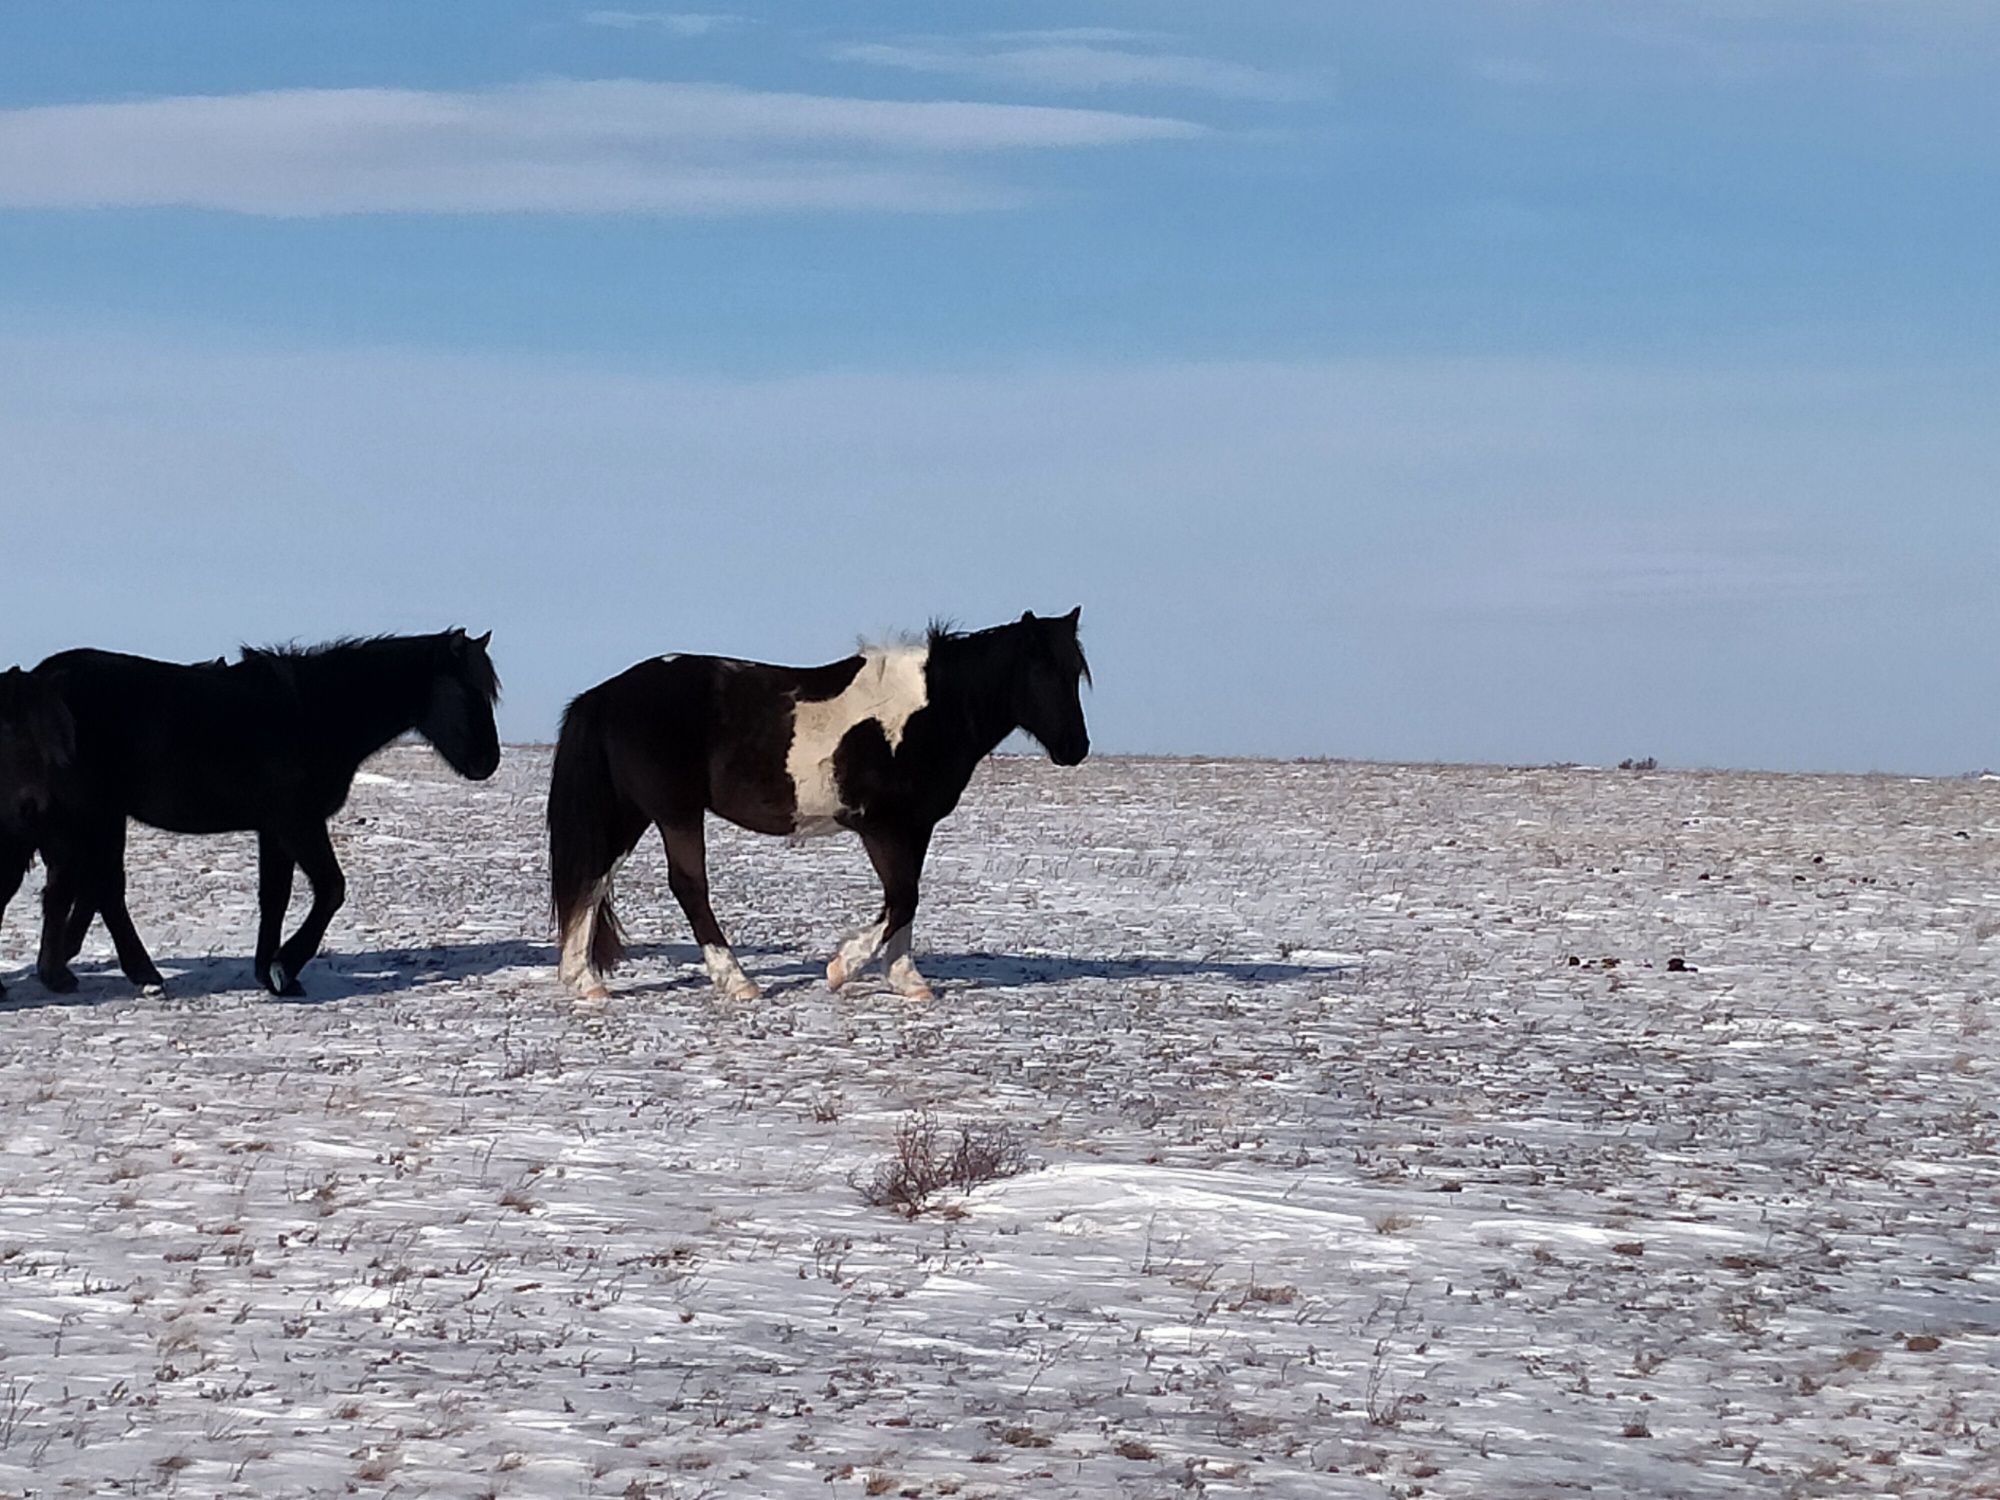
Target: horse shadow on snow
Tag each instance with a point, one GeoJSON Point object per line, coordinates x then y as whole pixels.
{"type": "Point", "coordinates": [655, 968]}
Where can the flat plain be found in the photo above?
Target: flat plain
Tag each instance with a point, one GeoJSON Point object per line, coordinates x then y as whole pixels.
{"type": "Point", "coordinates": [1391, 1131]}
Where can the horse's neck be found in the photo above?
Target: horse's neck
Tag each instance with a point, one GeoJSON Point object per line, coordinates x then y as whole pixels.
{"type": "Point", "coordinates": [355, 711]}
{"type": "Point", "coordinates": [974, 688]}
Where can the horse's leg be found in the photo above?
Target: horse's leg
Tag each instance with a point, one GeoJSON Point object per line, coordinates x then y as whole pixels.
{"type": "Point", "coordinates": [687, 877]}
{"type": "Point", "coordinates": [898, 857]}
{"type": "Point", "coordinates": [60, 892]}
{"type": "Point", "coordinates": [77, 927]}
{"type": "Point", "coordinates": [274, 896]}
{"type": "Point", "coordinates": [15, 853]}
{"type": "Point", "coordinates": [107, 892]}
{"type": "Point", "coordinates": [313, 850]}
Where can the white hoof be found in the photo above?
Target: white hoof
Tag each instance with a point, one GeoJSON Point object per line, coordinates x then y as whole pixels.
{"type": "Point", "coordinates": [919, 992]}
{"type": "Point", "coordinates": [836, 973]}
{"type": "Point", "coordinates": [742, 989]}
{"type": "Point", "coordinates": [594, 992]}
{"type": "Point", "coordinates": [152, 991]}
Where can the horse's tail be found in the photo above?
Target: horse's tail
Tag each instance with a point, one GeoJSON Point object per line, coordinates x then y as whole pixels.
{"type": "Point", "coordinates": [584, 844]}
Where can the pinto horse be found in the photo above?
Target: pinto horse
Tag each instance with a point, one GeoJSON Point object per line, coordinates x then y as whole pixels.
{"type": "Point", "coordinates": [881, 743]}
{"type": "Point", "coordinates": [269, 743]}
{"type": "Point", "coordinates": [37, 739]}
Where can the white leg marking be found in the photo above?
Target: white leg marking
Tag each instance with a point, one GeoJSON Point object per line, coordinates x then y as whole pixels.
{"type": "Point", "coordinates": [575, 967]}
{"type": "Point", "coordinates": [728, 974]}
{"type": "Point", "coordinates": [903, 976]}
{"type": "Point", "coordinates": [853, 956]}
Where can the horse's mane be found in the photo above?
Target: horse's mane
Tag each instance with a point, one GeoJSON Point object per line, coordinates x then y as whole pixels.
{"type": "Point", "coordinates": [479, 664]}
{"type": "Point", "coordinates": [943, 631]}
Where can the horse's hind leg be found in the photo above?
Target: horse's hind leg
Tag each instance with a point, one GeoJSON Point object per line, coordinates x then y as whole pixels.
{"type": "Point", "coordinates": [15, 853]}
{"type": "Point", "coordinates": [107, 892]}
{"type": "Point", "coordinates": [85, 875]}
{"type": "Point", "coordinates": [77, 927]}
{"type": "Point", "coordinates": [59, 894]}
{"type": "Point", "coordinates": [687, 877]}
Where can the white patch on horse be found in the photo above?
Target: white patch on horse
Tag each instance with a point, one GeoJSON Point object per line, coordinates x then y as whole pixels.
{"type": "Point", "coordinates": [727, 974]}
{"type": "Point", "coordinates": [889, 688]}
{"type": "Point", "coordinates": [575, 967]}
{"type": "Point", "coordinates": [903, 976]}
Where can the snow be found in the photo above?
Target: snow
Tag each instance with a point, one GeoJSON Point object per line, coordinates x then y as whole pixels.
{"type": "Point", "coordinates": [1349, 1182]}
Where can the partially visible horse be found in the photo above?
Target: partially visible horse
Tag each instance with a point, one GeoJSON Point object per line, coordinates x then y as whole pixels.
{"type": "Point", "coordinates": [269, 743]}
{"type": "Point", "coordinates": [37, 739]}
{"type": "Point", "coordinates": [882, 744]}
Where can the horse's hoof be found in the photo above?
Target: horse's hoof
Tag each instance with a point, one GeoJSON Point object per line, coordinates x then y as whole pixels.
{"type": "Point", "coordinates": [743, 990]}
{"type": "Point", "coordinates": [836, 973]}
{"type": "Point", "coordinates": [920, 994]}
{"type": "Point", "coordinates": [595, 993]}
{"type": "Point", "coordinates": [283, 984]}
{"type": "Point", "coordinates": [61, 982]}
{"type": "Point", "coordinates": [152, 989]}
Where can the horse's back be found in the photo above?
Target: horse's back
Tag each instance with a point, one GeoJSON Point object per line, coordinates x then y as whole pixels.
{"type": "Point", "coordinates": [194, 749]}
{"type": "Point", "coordinates": [712, 731]}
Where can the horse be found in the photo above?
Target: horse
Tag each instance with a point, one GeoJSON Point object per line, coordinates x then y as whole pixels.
{"type": "Point", "coordinates": [37, 739]}
{"type": "Point", "coordinates": [268, 744]}
{"type": "Point", "coordinates": [881, 744]}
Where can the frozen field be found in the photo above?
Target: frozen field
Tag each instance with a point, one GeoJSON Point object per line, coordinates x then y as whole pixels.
{"type": "Point", "coordinates": [1380, 1152]}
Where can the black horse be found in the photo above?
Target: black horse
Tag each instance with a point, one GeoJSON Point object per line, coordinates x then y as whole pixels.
{"type": "Point", "coordinates": [270, 743]}
{"type": "Point", "coordinates": [882, 743]}
{"type": "Point", "coordinates": [37, 739]}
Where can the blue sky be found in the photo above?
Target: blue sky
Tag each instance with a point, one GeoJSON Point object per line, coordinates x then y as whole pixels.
{"type": "Point", "coordinates": [1513, 380]}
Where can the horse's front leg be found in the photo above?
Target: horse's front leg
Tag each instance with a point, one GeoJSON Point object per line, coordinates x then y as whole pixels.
{"type": "Point", "coordinates": [313, 850]}
{"type": "Point", "coordinates": [274, 895]}
{"type": "Point", "coordinates": [898, 857]}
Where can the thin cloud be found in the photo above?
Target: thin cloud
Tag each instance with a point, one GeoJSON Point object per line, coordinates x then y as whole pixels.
{"type": "Point", "coordinates": [1068, 34]}
{"type": "Point", "coordinates": [1064, 64]}
{"type": "Point", "coordinates": [673, 23]}
{"type": "Point", "coordinates": [565, 147]}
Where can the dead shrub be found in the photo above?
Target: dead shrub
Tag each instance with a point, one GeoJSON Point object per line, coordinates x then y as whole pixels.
{"type": "Point", "coordinates": [930, 1159]}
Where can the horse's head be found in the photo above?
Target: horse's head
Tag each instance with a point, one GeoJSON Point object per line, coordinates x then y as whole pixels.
{"type": "Point", "coordinates": [1048, 686]}
{"type": "Point", "coordinates": [37, 741]}
{"type": "Point", "coordinates": [458, 720]}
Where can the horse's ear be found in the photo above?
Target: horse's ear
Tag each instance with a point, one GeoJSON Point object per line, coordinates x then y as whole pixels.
{"type": "Point", "coordinates": [1074, 616]}
{"type": "Point", "coordinates": [1027, 617]}
{"type": "Point", "coordinates": [481, 641]}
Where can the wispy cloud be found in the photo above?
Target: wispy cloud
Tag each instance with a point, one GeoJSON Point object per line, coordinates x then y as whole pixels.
{"type": "Point", "coordinates": [1080, 61]}
{"type": "Point", "coordinates": [564, 147]}
{"type": "Point", "coordinates": [673, 22]}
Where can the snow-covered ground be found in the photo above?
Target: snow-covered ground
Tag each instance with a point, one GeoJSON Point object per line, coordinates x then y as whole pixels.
{"type": "Point", "coordinates": [1381, 1152]}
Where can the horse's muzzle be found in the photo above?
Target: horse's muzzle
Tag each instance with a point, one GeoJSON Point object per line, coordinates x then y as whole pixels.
{"type": "Point", "coordinates": [1071, 754]}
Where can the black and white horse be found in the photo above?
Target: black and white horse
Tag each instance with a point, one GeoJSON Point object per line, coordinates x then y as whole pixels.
{"type": "Point", "coordinates": [882, 743]}
{"type": "Point", "coordinates": [269, 743]}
